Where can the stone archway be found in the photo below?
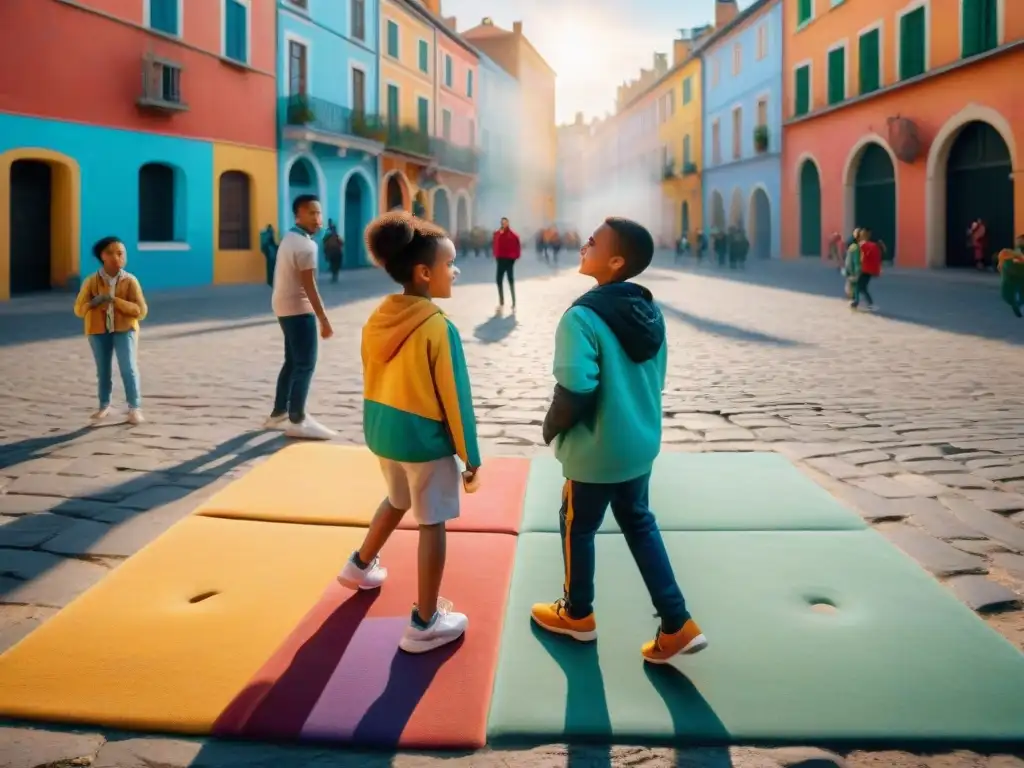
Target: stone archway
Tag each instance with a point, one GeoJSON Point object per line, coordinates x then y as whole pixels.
{"type": "Point", "coordinates": [736, 208]}
{"type": "Point", "coordinates": [871, 191]}
{"type": "Point", "coordinates": [717, 211]}
{"type": "Point", "coordinates": [442, 208]}
{"type": "Point", "coordinates": [936, 235]}
{"type": "Point", "coordinates": [65, 191]}
{"type": "Point", "coordinates": [304, 169]}
{"type": "Point", "coordinates": [396, 192]}
{"type": "Point", "coordinates": [809, 186]}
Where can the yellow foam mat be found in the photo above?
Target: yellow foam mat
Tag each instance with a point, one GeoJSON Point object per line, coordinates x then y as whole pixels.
{"type": "Point", "coordinates": [136, 651]}
{"type": "Point", "coordinates": [305, 483]}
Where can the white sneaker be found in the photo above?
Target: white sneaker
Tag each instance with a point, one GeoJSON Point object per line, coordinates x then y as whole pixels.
{"type": "Point", "coordinates": [499, 310]}
{"type": "Point", "coordinates": [446, 627]}
{"type": "Point", "coordinates": [135, 416]}
{"type": "Point", "coordinates": [309, 429]}
{"type": "Point", "coordinates": [370, 577]}
{"type": "Point", "coordinates": [100, 415]}
{"type": "Point", "coordinates": [276, 422]}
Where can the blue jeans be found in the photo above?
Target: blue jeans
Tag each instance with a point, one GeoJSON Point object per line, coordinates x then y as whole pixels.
{"type": "Point", "coordinates": [123, 344]}
{"type": "Point", "coordinates": [300, 348]}
{"type": "Point", "coordinates": [583, 509]}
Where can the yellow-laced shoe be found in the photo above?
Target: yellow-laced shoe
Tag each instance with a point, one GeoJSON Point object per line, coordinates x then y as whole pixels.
{"type": "Point", "coordinates": [555, 618]}
{"type": "Point", "coordinates": [663, 647]}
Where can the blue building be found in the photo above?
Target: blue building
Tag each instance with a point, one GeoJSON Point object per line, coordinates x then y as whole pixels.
{"type": "Point", "coordinates": [742, 122]}
{"type": "Point", "coordinates": [498, 191]}
{"type": "Point", "coordinates": [331, 138]}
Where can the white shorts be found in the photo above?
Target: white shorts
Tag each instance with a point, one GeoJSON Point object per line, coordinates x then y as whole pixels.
{"type": "Point", "coordinates": [430, 488]}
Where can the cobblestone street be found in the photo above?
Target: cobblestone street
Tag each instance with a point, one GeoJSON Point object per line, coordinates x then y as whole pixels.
{"type": "Point", "coordinates": [912, 415]}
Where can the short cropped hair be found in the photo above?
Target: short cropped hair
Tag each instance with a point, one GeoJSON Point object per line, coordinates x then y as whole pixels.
{"type": "Point", "coordinates": [635, 245]}
{"type": "Point", "coordinates": [302, 201]}
{"type": "Point", "coordinates": [398, 242]}
{"type": "Point", "coordinates": [102, 244]}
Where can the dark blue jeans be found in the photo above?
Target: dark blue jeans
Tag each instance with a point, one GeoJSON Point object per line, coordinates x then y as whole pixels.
{"type": "Point", "coordinates": [300, 347]}
{"type": "Point", "coordinates": [583, 509]}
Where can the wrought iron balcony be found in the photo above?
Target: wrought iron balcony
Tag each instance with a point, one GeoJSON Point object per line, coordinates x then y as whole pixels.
{"type": "Point", "coordinates": [448, 155]}
{"type": "Point", "coordinates": [326, 117]}
{"type": "Point", "coordinates": [406, 139]}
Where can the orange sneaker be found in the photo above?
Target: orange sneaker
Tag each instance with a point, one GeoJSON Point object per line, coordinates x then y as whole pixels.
{"type": "Point", "coordinates": [554, 618]}
{"type": "Point", "coordinates": [663, 647]}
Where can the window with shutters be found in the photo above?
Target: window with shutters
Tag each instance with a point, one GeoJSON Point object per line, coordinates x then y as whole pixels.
{"type": "Point", "coordinates": [393, 114]}
{"type": "Point", "coordinates": [164, 16]}
{"type": "Point", "coordinates": [804, 11]}
{"type": "Point", "coordinates": [737, 133]}
{"type": "Point", "coordinates": [298, 56]}
{"type": "Point", "coordinates": [870, 59]}
{"type": "Point", "coordinates": [156, 203]}
{"type": "Point", "coordinates": [358, 90]}
{"type": "Point", "coordinates": [357, 20]}
{"type": "Point", "coordinates": [912, 43]}
{"type": "Point", "coordinates": [423, 115]}
{"type": "Point", "coordinates": [979, 26]}
{"type": "Point", "coordinates": [449, 74]}
{"type": "Point", "coordinates": [762, 111]}
{"type": "Point", "coordinates": [469, 83]}
{"type": "Point", "coordinates": [737, 59]}
{"type": "Point", "coordinates": [716, 142]}
{"type": "Point", "coordinates": [762, 41]}
{"type": "Point", "coordinates": [424, 51]}
{"type": "Point", "coordinates": [686, 151]}
{"type": "Point", "coordinates": [837, 74]}
{"type": "Point", "coordinates": [236, 30]}
{"type": "Point", "coordinates": [688, 90]}
{"type": "Point", "coordinates": [234, 231]}
{"type": "Point", "coordinates": [392, 39]}
{"type": "Point", "coordinates": [802, 90]}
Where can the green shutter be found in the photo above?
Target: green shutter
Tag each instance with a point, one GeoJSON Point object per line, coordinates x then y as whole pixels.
{"type": "Point", "coordinates": [687, 90]}
{"type": "Point", "coordinates": [803, 11]}
{"type": "Point", "coordinates": [469, 83]}
{"type": "Point", "coordinates": [837, 76]}
{"type": "Point", "coordinates": [235, 18]}
{"type": "Point", "coordinates": [448, 70]}
{"type": "Point", "coordinates": [686, 150]}
{"type": "Point", "coordinates": [393, 106]}
{"type": "Point", "coordinates": [424, 115]}
{"type": "Point", "coordinates": [870, 74]}
{"type": "Point", "coordinates": [912, 44]}
{"type": "Point", "coordinates": [392, 39]}
{"type": "Point", "coordinates": [979, 26]}
{"type": "Point", "coordinates": [802, 90]}
{"type": "Point", "coordinates": [163, 16]}
{"type": "Point", "coordinates": [424, 56]}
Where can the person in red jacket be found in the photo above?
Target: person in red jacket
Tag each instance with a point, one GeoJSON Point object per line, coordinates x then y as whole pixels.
{"type": "Point", "coordinates": [870, 266]}
{"type": "Point", "coordinates": [506, 250]}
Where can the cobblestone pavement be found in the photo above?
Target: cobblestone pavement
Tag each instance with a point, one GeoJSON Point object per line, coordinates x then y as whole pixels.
{"type": "Point", "coordinates": [913, 416]}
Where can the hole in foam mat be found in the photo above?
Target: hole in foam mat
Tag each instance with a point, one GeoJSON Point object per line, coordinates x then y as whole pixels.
{"type": "Point", "coordinates": [203, 596]}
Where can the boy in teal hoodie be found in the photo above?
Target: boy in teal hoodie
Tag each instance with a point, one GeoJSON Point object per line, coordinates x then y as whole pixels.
{"type": "Point", "coordinates": [605, 421]}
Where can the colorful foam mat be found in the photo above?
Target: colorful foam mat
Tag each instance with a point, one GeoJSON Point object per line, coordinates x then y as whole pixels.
{"type": "Point", "coordinates": [708, 492]}
{"type": "Point", "coordinates": [813, 637]}
{"type": "Point", "coordinates": [342, 485]}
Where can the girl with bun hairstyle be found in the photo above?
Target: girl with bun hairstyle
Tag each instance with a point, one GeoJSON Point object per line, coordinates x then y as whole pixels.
{"type": "Point", "coordinates": [417, 417]}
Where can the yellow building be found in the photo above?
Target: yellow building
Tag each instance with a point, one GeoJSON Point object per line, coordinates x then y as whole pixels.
{"type": "Point", "coordinates": [679, 132]}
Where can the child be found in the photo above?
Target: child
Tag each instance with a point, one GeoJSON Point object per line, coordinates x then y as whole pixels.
{"type": "Point", "coordinates": [417, 415]}
{"type": "Point", "coordinates": [605, 419]}
{"type": "Point", "coordinates": [1011, 271]}
{"type": "Point", "coordinates": [851, 268]}
{"type": "Point", "coordinates": [297, 304]}
{"type": "Point", "coordinates": [870, 266]}
{"type": "Point", "coordinates": [112, 305]}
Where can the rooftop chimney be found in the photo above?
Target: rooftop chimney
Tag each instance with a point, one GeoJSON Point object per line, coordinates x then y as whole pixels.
{"type": "Point", "coordinates": [660, 63]}
{"type": "Point", "coordinates": [517, 28]}
{"type": "Point", "coordinates": [451, 23]}
{"type": "Point", "coordinates": [680, 50]}
{"type": "Point", "coordinates": [725, 12]}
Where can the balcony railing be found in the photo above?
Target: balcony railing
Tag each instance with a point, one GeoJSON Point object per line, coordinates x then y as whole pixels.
{"type": "Point", "coordinates": [326, 117]}
{"type": "Point", "coordinates": [689, 168]}
{"type": "Point", "coordinates": [404, 138]}
{"type": "Point", "coordinates": [448, 155]}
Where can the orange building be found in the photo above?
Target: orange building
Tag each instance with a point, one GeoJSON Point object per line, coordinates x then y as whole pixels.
{"type": "Point", "coordinates": [905, 117]}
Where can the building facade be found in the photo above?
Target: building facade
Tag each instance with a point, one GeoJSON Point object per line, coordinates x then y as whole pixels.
{"type": "Point", "coordinates": [331, 137]}
{"type": "Point", "coordinates": [902, 118]}
{"type": "Point", "coordinates": [679, 131]}
{"type": "Point", "coordinates": [742, 126]}
{"type": "Point", "coordinates": [538, 144]}
{"type": "Point", "coordinates": [164, 137]}
{"type": "Point", "coordinates": [498, 186]}
{"type": "Point", "coordinates": [571, 173]}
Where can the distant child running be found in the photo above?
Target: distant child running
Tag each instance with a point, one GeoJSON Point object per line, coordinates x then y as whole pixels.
{"type": "Point", "coordinates": [870, 267]}
{"type": "Point", "coordinates": [417, 416]}
{"type": "Point", "coordinates": [112, 305]}
{"type": "Point", "coordinates": [296, 302]}
{"type": "Point", "coordinates": [605, 420]}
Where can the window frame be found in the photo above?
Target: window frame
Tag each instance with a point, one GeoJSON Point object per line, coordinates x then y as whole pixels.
{"type": "Point", "coordinates": [289, 39]}
{"type": "Point", "coordinates": [844, 46]}
{"type": "Point", "coordinates": [807, 64]}
{"type": "Point", "coordinates": [908, 9]}
{"type": "Point", "coordinates": [389, 23]}
{"type": "Point", "coordinates": [248, 32]}
{"type": "Point", "coordinates": [879, 27]}
{"type": "Point", "coordinates": [147, 19]}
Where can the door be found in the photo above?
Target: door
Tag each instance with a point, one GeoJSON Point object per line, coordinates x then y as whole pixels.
{"type": "Point", "coordinates": [358, 91]}
{"type": "Point", "coordinates": [31, 195]}
{"type": "Point", "coordinates": [296, 69]}
{"type": "Point", "coordinates": [810, 210]}
{"type": "Point", "coordinates": [874, 197]}
{"type": "Point", "coordinates": [234, 226]}
{"type": "Point", "coordinates": [978, 185]}
{"type": "Point", "coordinates": [686, 218]}
{"type": "Point", "coordinates": [355, 221]}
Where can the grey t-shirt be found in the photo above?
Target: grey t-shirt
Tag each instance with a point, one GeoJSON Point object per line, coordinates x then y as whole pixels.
{"type": "Point", "coordinates": [297, 253]}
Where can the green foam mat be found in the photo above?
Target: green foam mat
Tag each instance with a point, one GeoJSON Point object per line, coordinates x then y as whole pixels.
{"type": "Point", "coordinates": [898, 661]}
{"type": "Point", "coordinates": [708, 492]}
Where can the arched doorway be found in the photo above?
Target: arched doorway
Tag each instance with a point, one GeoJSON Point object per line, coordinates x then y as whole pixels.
{"type": "Point", "coordinates": [761, 225]}
{"type": "Point", "coordinates": [978, 185]}
{"type": "Point", "coordinates": [736, 209]}
{"type": "Point", "coordinates": [874, 196]}
{"type": "Point", "coordinates": [810, 210]}
{"type": "Point", "coordinates": [685, 219]}
{"type": "Point", "coordinates": [357, 196]}
{"type": "Point", "coordinates": [31, 226]}
{"type": "Point", "coordinates": [462, 214]}
{"type": "Point", "coordinates": [442, 209]}
{"type": "Point", "coordinates": [395, 193]}
{"type": "Point", "coordinates": [302, 180]}
{"type": "Point", "coordinates": [717, 211]}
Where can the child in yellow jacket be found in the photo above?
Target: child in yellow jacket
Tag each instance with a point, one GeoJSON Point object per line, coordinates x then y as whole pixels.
{"type": "Point", "coordinates": [112, 305]}
{"type": "Point", "coordinates": [417, 417]}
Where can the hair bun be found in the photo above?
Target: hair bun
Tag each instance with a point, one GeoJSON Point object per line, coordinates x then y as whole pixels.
{"type": "Point", "coordinates": [389, 235]}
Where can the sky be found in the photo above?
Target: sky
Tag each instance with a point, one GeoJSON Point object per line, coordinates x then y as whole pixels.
{"type": "Point", "coordinates": [593, 45]}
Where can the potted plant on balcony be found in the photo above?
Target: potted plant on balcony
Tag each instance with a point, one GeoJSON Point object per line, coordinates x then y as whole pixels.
{"type": "Point", "coordinates": [689, 168]}
{"type": "Point", "coordinates": [300, 111]}
{"type": "Point", "coordinates": [368, 127]}
{"type": "Point", "coordinates": [669, 171]}
{"type": "Point", "coordinates": [761, 138]}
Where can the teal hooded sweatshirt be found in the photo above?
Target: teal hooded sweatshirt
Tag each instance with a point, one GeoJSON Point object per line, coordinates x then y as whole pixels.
{"type": "Point", "coordinates": [610, 353]}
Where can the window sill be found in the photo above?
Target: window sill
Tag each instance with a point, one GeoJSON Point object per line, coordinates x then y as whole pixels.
{"type": "Point", "coordinates": [236, 64]}
{"type": "Point", "coordinates": [169, 246]}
